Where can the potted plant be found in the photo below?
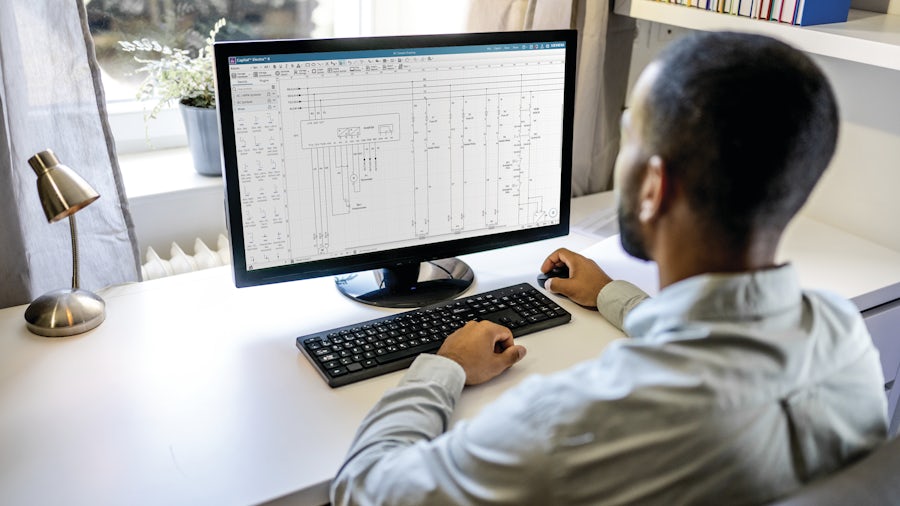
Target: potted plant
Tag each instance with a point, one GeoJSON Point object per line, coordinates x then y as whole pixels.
{"type": "Point", "coordinates": [172, 74]}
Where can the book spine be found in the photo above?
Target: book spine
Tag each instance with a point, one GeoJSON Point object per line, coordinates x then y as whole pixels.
{"type": "Point", "coordinates": [746, 8]}
{"type": "Point", "coordinates": [822, 11]}
{"type": "Point", "coordinates": [775, 13]}
{"type": "Point", "coordinates": [765, 10]}
{"type": "Point", "coordinates": [788, 10]}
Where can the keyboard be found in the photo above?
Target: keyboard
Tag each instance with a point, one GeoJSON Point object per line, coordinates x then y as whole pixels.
{"type": "Point", "coordinates": [356, 352]}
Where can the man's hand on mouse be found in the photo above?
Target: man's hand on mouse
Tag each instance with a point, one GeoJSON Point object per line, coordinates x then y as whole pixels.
{"type": "Point", "coordinates": [585, 280]}
{"type": "Point", "coordinates": [483, 349]}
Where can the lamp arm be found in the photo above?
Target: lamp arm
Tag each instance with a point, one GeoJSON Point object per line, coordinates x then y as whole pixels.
{"type": "Point", "coordinates": [72, 229]}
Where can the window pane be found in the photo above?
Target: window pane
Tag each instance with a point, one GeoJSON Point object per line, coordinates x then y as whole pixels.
{"type": "Point", "coordinates": [185, 24]}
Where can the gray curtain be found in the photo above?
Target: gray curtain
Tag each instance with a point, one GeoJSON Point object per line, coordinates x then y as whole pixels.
{"type": "Point", "coordinates": [50, 97]}
{"type": "Point", "coordinates": [604, 57]}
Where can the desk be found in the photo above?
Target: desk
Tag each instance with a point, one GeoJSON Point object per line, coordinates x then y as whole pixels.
{"type": "Point", "coordinates": [192, 392]}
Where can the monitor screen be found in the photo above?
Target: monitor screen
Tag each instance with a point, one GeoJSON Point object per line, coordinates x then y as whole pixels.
{"type": "Point", "coordinates": [342, 155]}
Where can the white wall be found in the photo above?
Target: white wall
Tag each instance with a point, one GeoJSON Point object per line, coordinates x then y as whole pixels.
{"type": "Point", "coordinates": [888, 6]}
{"type": "Point", "coordinates": [860, 192]}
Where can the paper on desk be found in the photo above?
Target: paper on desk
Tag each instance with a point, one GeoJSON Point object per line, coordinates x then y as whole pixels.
{"type": "Point", "coordinates": [599, 224]}
{"type": "Point", "coordinates": [610, 256]}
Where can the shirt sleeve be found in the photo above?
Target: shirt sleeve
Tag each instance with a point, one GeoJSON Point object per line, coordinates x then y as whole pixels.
{"type": "Point", "coordinates": [617, 299]}
{"type": "Point", "coordinates": [401, 454]}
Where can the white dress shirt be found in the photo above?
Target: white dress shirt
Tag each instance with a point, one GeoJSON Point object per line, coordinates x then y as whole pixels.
{"type": "Point", "coordinates": [734, 389]}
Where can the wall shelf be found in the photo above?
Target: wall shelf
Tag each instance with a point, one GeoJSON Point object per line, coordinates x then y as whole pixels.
{"type": "Point", "coordinates": [866, 37]}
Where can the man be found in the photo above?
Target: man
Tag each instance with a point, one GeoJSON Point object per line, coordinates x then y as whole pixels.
{"type": "Point", "coordinates": [736, 387]}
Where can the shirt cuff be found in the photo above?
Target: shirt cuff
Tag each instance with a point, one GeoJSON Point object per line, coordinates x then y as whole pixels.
{"type": "Point", "coordinates": [432, 368]}
{"type": "Point", "coordinates": [617, 299]}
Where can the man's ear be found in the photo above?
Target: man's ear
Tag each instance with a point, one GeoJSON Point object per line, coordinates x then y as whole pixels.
{"type": "Point", "coordinates": [653, 190]}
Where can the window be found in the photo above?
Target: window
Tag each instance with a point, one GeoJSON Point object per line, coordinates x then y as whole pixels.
{"type": "Point", "coordinates": [185, 24]}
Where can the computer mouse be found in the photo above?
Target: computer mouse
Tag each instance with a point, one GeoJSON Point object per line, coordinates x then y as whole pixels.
{"type": "Point", "coordinates": [556, 272]}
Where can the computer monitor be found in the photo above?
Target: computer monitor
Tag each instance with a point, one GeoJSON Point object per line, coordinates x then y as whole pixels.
{"type": "Point", "coordinates": [393, 154]}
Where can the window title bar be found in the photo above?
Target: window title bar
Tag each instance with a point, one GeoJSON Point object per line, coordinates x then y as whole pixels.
{"type": "Point", "coordinates": [389, 53]}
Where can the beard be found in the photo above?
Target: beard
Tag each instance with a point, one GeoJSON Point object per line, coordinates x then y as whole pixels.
{"type": "Point", "coordinates": [630, 232]}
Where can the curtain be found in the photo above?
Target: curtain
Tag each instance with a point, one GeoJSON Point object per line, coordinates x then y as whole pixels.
{"type": "Point", "coordinates": [604, 56]}
{"type": "Point", "coordinates": [50, 97]}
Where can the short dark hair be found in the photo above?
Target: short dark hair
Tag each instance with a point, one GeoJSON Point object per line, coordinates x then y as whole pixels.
{"type": "Point", "coordinates": [746, 125]}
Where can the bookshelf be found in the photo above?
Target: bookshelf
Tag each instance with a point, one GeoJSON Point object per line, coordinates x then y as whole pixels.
{"type": "Point", "coordinates": [866, 37]}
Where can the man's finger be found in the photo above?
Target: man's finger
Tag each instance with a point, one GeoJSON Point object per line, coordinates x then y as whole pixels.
{"type": "Point", "coordinates": [565, 256]}
{"type": "Point", "coordinates": [513, 354]}
{"type": "Point", "coordinates": [554, 260]}
{"type": "Point", "coordinates": [503, 337]}
{"type": "Point", "coordinates": [558, 285]}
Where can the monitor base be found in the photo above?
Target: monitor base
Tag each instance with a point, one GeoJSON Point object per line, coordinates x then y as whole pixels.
{"type": "Point", "coordinates": [407, 286]}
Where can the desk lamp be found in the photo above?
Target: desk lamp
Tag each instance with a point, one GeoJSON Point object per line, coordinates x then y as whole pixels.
{"type": "Point", "coordinates": [72, 311]}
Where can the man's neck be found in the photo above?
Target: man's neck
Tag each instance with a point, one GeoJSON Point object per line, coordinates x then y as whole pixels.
{"type": "Point", "coordinates": [683, 252]}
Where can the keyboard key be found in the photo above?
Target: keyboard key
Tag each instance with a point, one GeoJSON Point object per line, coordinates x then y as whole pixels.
{"type": "Point", "coordinates": [337, 371]}
{"type": "Point", "coordinates": [409, 352]}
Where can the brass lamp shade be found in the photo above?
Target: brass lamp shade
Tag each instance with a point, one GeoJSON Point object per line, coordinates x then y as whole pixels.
{"type": "Point", "coordinates": [61, 190]}
{"type": "Point", "coordinates": [72, 311]}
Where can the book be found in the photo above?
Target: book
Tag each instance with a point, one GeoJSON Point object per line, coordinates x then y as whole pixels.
{"type": "Point", "coordinates": [765, 9]}
{"type": "Point", "coordinates": [775, 13]}
{"type": "Point", "coordinates": [788, 11]}
{"type": "Point", "coordinates": [818, 12]}
{"type": "Point", "coordinates": [796, 12]}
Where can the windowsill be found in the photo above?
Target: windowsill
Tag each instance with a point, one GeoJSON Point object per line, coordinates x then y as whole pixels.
{"type": "Point", "coordinates": [161, 172]}
{"type": "Point", "coordinates": [169, 202]}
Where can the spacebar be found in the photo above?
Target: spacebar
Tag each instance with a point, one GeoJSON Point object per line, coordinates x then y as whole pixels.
{"type": "Point", "coordinates": [409, 352]}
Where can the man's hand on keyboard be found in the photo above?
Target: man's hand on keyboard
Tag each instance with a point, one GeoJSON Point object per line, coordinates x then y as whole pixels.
{"type": "Point", "coordinates": [483, 349]}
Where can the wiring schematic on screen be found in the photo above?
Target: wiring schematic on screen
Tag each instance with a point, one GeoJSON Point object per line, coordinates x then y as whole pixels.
{"type": "Point", "coordinates": [364, 153]}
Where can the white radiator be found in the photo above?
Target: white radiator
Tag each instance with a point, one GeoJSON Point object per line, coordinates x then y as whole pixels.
{"type": "Point", "coordinates": [179, 262]}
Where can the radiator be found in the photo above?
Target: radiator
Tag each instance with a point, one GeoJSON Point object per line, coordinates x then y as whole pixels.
{"type": "Point", "coordinates": [179, 262]}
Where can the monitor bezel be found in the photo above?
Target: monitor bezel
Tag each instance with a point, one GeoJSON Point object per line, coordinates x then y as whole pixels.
{"type": "Point", "coordinates": [394, 257]}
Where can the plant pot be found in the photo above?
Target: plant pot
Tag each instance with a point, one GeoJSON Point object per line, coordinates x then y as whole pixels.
{"type": "Point", "coordinates": [203, 139]}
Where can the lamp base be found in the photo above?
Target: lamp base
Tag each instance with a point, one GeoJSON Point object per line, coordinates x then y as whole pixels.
{"type": "Point", "coordinates": [65, 312]}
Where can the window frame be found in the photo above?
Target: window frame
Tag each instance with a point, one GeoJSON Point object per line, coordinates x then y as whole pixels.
{"type": "Point", "coordinates": [134, 133]}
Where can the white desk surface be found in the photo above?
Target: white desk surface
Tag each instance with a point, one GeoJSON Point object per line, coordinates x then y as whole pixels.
{"type": "Point", "coordinates": [192, 391]}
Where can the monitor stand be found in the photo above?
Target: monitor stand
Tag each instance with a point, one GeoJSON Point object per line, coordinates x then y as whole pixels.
{"type": "Point", "coordinates": [408, 285]}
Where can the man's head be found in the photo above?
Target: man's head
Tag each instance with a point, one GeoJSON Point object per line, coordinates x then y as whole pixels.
{"type": "Point", "coordinates": [741, 125]}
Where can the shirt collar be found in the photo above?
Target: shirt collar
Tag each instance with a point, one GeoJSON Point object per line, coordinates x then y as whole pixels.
{"type": "Point", "coordinates": [745, 296]}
